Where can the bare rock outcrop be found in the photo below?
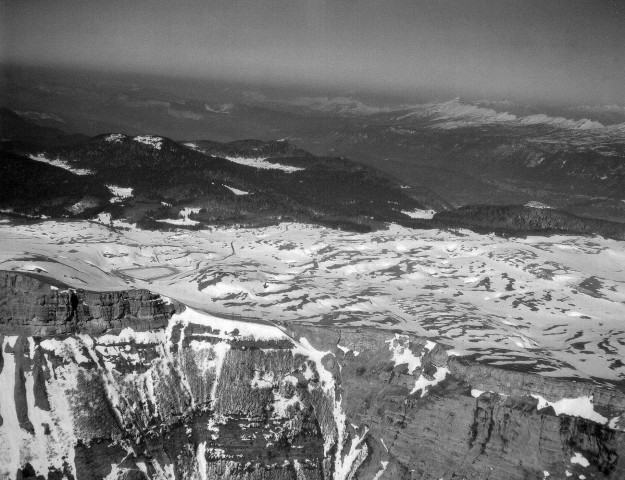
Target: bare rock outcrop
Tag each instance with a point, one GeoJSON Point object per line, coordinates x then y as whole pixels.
{"type": "Point", "coordinates": [457, 428]}
{"type": "Point", "coordinates": [32, 305]}
{"type": "Point", "coordinates": [213, 398]}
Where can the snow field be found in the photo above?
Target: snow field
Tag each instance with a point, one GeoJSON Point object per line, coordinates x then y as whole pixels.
{"type": "Point", "coordinates": [120, 193]}
{"type": "Point", "coordinates": [151, 140]}
{"type": "Point", "coordinates": [575, 407]}
{"type": "Point", "coordinates": [505, 300]}
{"type": "Point", "coordinates": [61, 164]}
{"type": "Point", "coordinates": [184, 217]}
{"type": "Point", "coordinates": [417, 214]}
{"type": "Point", "coordinates": [263, 164]}
{"type": "Point", "coordinates": [236, 191]}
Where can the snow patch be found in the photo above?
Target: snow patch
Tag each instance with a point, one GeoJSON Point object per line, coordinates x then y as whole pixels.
{"type": "Point", "coordinates": [579, 459]}
{"type": "Point", "coordinates": [575, 407]}
{"type": "Point", "coordinates": [381, 471]}
{"type": "Point", "coordinates": [10, 431]}
{"type": "Point", "coordinates": [344, 464]}
{"type": "Point", "coordinates": [535, 204]}
{"type": "Point", "coordinates": [69, 349]}
{"type": "Point", "coordinates": [29, 267]}
{"type": "Point", "coordinates": [346, 350]}
{"type": "Point", "coordinates": [261, 163]}
{"type": "Point", "coordinates": [614, 422]}
{"type": "Point", "coordinates": [471, 279]}
{"type": "Point", "coordinates": [307, 350]}
{"type": "Point", "coordinates": [120, 193]}
{"type": "Point", "coordinates": [423, 383]}
{"type": "Point", "coordinates": [151, 140]}
{"type": "Point", "coordinates": [399, 346]}
{"type": "Point", "coordinates": [184, 217]}
{"type": "Point", "coordinates": [402, 355]}
{"type": "Point", "coordinates": [128, 335]}
{"type": "Point", "coordinates": [344, 467]}
{"type": "Point", "coordinates": [201, 460]}
{"type": "Point", "coordinates": [104, 218]}
{"type": "Point", "coordinates": [263, 379]}
{"type": "Point", "coordinates": [523, 342]}
{"type": "Point", "coordinates": [115, 137]}
{"type": "Point", "coordinates": [228, 329]}
{"type": "Point", "coordinates": [281, 404]}
{"type": "Point", "coordinates": [420, 214]}
{"type": "Point", "coordinates": [41, 450]}
{"type": "Point", "coordinates": [236, 191]}
{"type": "Point", "coordinates": [61, 164]}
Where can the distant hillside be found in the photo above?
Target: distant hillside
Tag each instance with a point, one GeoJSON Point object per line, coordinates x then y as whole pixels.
{"type": "Point", "coordinates": [248, 148]}
{"type": "Point", "coordinates": [35, 188]}
{"type": "Point", "coordinates": [14, 127]}
{"type": "Point", "coordinates": [257, 183]}
{"type": "Point", "coordinates": [518, 219]}
{"type": "Point", "coordinates": [156, 183]}
{"type": "Point", "coordinates": [571, 157]}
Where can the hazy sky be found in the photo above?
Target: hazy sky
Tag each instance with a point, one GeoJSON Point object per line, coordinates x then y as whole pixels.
{"type": "Point", "coordinates": [550, 50]}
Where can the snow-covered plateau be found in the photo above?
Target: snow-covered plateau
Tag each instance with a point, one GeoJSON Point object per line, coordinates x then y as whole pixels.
{"type": "Point", "coordinates": [297, 351]}
{"type": "Point", "coordinates": [552, 304]}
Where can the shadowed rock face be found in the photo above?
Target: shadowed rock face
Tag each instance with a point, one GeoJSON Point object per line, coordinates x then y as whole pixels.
{"type": "Point", "coordinates": [30, 305]}
{"type": "Point", "coordinates": [450, 432]}
{"type": "Point", "coordinates": [212, 398]}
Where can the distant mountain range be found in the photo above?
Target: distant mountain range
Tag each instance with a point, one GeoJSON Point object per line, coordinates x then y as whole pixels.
{"type": "Point", "coordinates": [154, 182]}
{"type": "Point", "coordinates": [465, 151]}
{"type": "Point", "coordinates": [472, 154]}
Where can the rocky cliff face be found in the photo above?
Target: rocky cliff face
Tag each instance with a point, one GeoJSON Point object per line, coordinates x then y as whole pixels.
{"type": "Point", "coordinates": [206, 397]}
{"type": "Point", "coordinates": [445, 417]}
{"type": "Point", "coordinates": [31, 304]}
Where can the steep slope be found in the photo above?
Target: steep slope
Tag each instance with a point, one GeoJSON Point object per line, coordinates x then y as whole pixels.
{"type": "Point", "coordinates": [35, 188]}
{"type": "Point", "coordinates": [207, 397]}
{"type": "Point", "coordinates": [38, 305]}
